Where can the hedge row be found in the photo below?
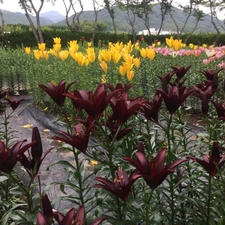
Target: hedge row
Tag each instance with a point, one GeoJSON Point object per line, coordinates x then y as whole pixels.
{"type": "Point", "coordinates": [26, 38]}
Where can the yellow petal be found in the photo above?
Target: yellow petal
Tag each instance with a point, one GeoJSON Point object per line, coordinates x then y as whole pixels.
{"type": "Point", "coordinates": [93, 162]}
{"type": "Point", "coordinates": [46, 130]}
{"type": "Point", "coordinates": [27, 126]}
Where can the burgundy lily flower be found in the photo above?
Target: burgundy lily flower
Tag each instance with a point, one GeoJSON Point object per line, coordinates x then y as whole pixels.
{"type": "Point", "coordinates": [93, 103]}
{"type": "Point", "coordinates": [150, 109]}
{"type": "Point", "coordinates": [212, 162]}
{"type": "Point", "coordinates": [14, 103]}
{"type": "Point", "coordinates": [56, 91]}
{"type": "Point", "coordinates": [174, 97]}
{"type": "Point", "coordinates": [79, 138]}
{"type": "Point", "coordinates": [154, 172]}
{"type": "Point", "coordinates": [123, 90]}
{"type": "Point", "coordinates": [213, 76]}
{"type": "Point", "coordinates": [9, 156]}
{"type": "Point", "coordinates": [114, 126]}
{"type": "Point", "coordinates": [71, 218]}
{"type": "Point", "coordinates": [3, 93]}
{"type": "Point", "coordinates": [68, 219]}
{"type": "Point", "coordinates": [124, 108]}
{"type": "Point", "coordinates": [220, 109]}
{"type": "Point", "coordinates": [204, 92]}
{"type": "Point", "coordinates": [33, 161]}
{"type": "Point", "coordinates": [165, 80]}
{"type": "Point", "coordinates": [121, 185]}
{"type": "Point", "coordinates": [180, 71]}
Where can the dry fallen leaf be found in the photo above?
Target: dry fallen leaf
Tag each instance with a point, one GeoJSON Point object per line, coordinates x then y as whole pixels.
{"type": "Point", "coordinates": [27, 126]}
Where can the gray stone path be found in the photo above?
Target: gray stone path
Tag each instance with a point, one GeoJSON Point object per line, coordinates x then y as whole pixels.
{"type": "Point", "coordinates": [28, 114]}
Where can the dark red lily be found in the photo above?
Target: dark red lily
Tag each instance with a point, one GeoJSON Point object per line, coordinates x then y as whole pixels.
{"type": "Point", "coordinates": [180, 71]}
{"type": "Point", "coordinates": [174, 97]}
{"type": "Point", "coordinates": [154, 172]}
{"type": "Point", "coordinates": [212, 162]}
{"type": "Point", "coordinates": [124, 108]}
{"type": "Point", "coordinates": [3, 93]}
{"type": "Point", "coordinates": [33, 161]}
{"type": "Point", "coordinates": [114, 126]}
{"type": "Point", "coordinates": [56, 92]}
{"type": "Point", "coordinates": [150, 109]}
{"type": "Point", "coordinates": [93, 103]}
{"type": "Point", "coordinates": [220, 109]}
{"type": "Point", "coordinates": [121, 185]}
{"type": "Point", "coordinates": [14, 103]}
{"type": "Point", "coordinates": [165, 80]}
{"type": "Point", "coordinates": [123, 90]}
{"type": "Point", "coordinates": [212, 76]}
{"type": "Point", "coordinates": [9, 156]}
{"type": "Point", "coordinates": [204, 91]}
{"type": "Point", "coordinates": [79, 138]}
{"type": "Point", "coordinates": [71, 218]}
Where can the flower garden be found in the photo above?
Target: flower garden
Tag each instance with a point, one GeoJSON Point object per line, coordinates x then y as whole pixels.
{"type": "Point", "coordinates": [157, 112]}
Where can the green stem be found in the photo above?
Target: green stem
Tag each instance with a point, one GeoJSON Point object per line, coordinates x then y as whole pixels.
{"type": "Point", "coordinates": [147, 219]}
{"type": "Point", "coordinates": [209, 198]}
{"type": "Point", "coordinates": [76, 154]}
{"type": "Point", "coordinates": [172, 199]}
{"type": "Point", "coordinates": [168, 136]}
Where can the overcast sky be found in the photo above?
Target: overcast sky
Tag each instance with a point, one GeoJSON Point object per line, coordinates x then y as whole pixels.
{"type": "Point", "coordinates": [12, 5]}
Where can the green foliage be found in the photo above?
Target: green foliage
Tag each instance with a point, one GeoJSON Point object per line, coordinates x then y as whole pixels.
{"type": "Point", "coordinates": [21, 35]}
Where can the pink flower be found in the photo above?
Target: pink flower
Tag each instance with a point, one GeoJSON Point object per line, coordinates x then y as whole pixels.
{"type": "Point", "coordinates": [211, 59]}
{"type": "Point", "coordinates": [206, 61]}
{"type": "Point", "coordinates": [221, 65]}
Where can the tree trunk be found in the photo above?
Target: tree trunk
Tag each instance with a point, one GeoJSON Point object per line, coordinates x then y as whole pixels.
{"type": "Point", "coordinates": [161, 24]}
{"type": "Point", "coordinates": [193, 30]}
{"type": "Point", "coordinates": [2, 22]}
{"type": "Point", "coordinates": [37, 32]}
{"type": "Point", "coordinates": [175, 23]}
{"type": "Point", "coordinates": [213, 23]}
{"type": "Point", "coordinates": [186, 20]}
{"type": "Point", "coordinates": [114, 24]}
{"type": "Point", "coordinates": [132, 24]}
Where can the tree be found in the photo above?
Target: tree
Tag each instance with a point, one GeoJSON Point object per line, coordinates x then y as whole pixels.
{"type": "Point", "coordinates": [188, 11]}
{"type": "Point", "coordinates": [2, 21]}
{"type": "Point", "coordinates": [109, 5]}
{"type": "Point", "coordinates": [198, 14]}
{"type": "Point", "coordinates": [77, 11]}
{"type": "Point", "coordinates": [214, 6]}
{"type": "Point", "coordinates": [165, 5]}
{"type": "Point", "coordinates": [97, 8]}
{"type": "Point", "coordinates": [29, 8]}
{"type": "Point", "coordinates": [131, 7]}
{"type": "Point", "coordinates": [143, 9]}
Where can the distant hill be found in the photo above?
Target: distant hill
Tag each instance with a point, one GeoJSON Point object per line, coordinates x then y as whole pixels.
{"type": "Point", "coordinates": [20, 18]}
{"type": "Point", "coordinates": [54, 16]}
{"type": "Point", "coordinates": [121, 20]}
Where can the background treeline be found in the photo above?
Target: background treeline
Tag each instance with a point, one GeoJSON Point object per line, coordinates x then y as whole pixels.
{"type": "Point", "coordinates": [21, 35]}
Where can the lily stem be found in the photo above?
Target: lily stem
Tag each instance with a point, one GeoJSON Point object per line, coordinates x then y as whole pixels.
{"type": "Point", "coordinates": [172, 199]}
{"type": "Point", "coordinates": [79, 176]}
{"type": "Point", "coordinates": [209, 198]}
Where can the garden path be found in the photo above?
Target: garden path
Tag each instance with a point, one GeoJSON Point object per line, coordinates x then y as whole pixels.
{"type": "Point", "coordinates": [30, 116]}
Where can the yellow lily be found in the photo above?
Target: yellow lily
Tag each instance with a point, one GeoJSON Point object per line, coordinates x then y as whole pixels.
{"type": "Point", "coordinates": [27, 50]}
{"type": "Point", "coordinates": [57, 40]}
{"type": "Point", "coordinates": [130, 75]}
{"type": "Point", "coordinates": [151, 53]}
{"type": "Point", "coordinates": [143, 52]}
{"type": "Point", "coordinates": [104, 66]}
{"type": "Point", "coordinates": [63, 55]}
{"type": "Point", "coordinates": [137, 62]}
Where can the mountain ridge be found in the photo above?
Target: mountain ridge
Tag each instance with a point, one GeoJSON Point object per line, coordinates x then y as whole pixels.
{"type": "Point", "coordinates": [51, 17]}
